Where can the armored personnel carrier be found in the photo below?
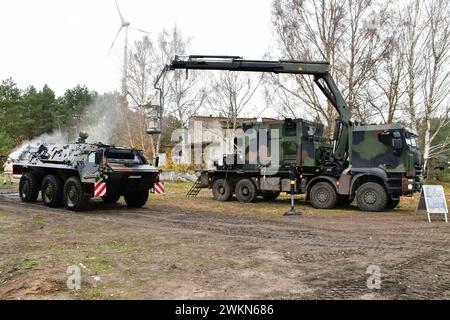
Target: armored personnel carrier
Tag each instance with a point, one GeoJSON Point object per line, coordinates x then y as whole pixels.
{"type": "Point", "coordinates": [72, 174]}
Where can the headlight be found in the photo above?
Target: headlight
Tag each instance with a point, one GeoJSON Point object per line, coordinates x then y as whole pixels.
{"type": "Point", "coordinates": [410, 186]}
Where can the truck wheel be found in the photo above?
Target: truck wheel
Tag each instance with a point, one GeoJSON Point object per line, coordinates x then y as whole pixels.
{"type": "Point", "coordinates": [372, 197]}
{"type": "Point", "coordinates": [270, 196]}
{"type": "Point", "coordinates": [52, 191]}
{"type": "Point", "coordinates": [392, 204]}
{"type": "Point", "coordinates": [28, 187]}
{"type": "Point", "coordinates": [136, 199]}
{"type": "Point", "coordinates": [221, 190]}
{"type": "Point", "coordinates": [323, 196]}
{"type": "Point", "coordinates": [111, 198]}
{"type": "Point", "coordinates": [246, 191]}
{"type": "Point", "coordinates": [74, 197]}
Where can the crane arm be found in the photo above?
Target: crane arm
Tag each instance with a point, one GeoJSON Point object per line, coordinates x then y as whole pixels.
{"type": "Point", "coordinates": [320, 71]}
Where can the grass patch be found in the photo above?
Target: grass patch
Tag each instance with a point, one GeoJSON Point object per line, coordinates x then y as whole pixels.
{"type": "Point", "coordinates": [27, 264]}
{"type": "Point", "coordinates": [176, 191]}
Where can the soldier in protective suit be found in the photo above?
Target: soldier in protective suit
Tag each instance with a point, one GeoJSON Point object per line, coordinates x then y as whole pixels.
{"type": "Point", "coordinates": [8, 171]}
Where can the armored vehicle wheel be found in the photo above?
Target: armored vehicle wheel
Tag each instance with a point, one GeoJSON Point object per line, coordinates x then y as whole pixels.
{"type": "Point", "coordinates": [372, 197]}
{"type": "Point", "coordinates": [136, 199]}
{"type": "Point", "coordinates": [323, 196]}
{"type": "Point", "coordinates": [28, 187]}
{"type": "Point", "coordinates": [111, 198]}
{"type": "Point", "coordinates": [52, 191]}
{"type": "Point", "coordinates": [270, 196]}
{"type": "Point", "coordinates": [246, 191]}
{"type": "Point", "coordinates": [221, 190]}
{"type": "Point", "coordinates": [74, 197]}
{"type": "Point", "coordinates": [392, 204]}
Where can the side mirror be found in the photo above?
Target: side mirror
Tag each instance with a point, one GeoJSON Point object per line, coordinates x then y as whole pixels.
{"type": "Point", "coordinates": [397, 144]}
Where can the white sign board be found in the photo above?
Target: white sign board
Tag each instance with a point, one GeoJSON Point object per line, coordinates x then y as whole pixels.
{"type": "Point", "coordinates": [432, 199]}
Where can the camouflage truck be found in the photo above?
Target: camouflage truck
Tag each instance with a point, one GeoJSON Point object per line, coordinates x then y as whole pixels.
{"type": "Point", "coordinates": [72, 174]}
{"type": "Point", "coordinates": [372, 164]}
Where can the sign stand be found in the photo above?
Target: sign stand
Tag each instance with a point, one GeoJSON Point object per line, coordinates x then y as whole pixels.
{"type": "Point", "coordinates": [432, 199]}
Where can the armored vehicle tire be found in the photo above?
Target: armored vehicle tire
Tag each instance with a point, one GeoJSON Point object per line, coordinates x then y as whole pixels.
{"type": "Point", "coordinates": [111, 198]}
{"type": "Point", "coordinates": [222, 190]}
{"type": "Point", "coordinates": [74, 197]}
{"type": "Point", "coordinates": [28, 187]}
{"type": "Point", "coordinates": [323, 196]}
{"type": "Point", "coordinates": [246, 191]}
{"type": "Point", "coordinates": [392, 204]}
{"type": "Point", "coordinates": [136, 199]}
{"type": "Point", "coordinates": [52, 191]}
{"type": "Point", "coordinates": [270, 196]}
{"type": "Point", "coordinates": [372, 197]}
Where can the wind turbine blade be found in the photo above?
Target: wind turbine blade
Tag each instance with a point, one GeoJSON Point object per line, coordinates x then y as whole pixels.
{"type": "Point", "coordinates": [117, 35]}
{"type": "Point", "coordinates": [140, 30]}
{"type": "Point", "coordinates": [122, 20]}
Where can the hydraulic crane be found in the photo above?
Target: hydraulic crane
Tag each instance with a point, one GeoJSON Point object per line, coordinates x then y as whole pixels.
{"type": "Point", "coordinates": [320, 71]}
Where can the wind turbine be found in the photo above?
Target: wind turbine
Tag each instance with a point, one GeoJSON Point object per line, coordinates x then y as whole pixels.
{"type": "Point", "coordinates": [124, 24]}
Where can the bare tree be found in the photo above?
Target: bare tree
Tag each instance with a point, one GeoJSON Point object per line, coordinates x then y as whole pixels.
{"type": "Point", "coordinates": [185, 92]}
{"type": "Point", "coordinates": [231, 93]}
{"type": "Point", "coordinates": [309, 30]}
{"type": "Point", "coordinates": [345, 33]}
{"type": "Point", "coordinates": [436, 84]}
{"type": "Point", "coordinates": [141, 74]}
{"type": "Point", "coordinates": [412, 42]}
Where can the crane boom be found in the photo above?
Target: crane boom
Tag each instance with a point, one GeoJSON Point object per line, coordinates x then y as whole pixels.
{"type": "Point", "coordinates": [320, 71]}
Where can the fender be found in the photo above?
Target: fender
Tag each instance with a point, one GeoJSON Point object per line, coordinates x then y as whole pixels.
{"type": "Point", "coordinates": [376, 172]}
{"type": "Point", "coordinates": [332, 180]}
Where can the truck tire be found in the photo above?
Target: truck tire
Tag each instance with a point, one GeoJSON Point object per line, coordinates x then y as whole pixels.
{"type": "Point", "coordinates": [111, 198]}
{"type": "Point", "coordinates": [246, 191]}
{"type": "Point", "coordinates": [74, 197]}
{"type": "Point", "coordinates": [392, 204]}
{"type": "Point", "coordinates": [52, 191]}
{"type": "Point", "coordinates": [270, 196]}
{"type": "Point", "coordinates": [371, 197]}
{"type": "Point", "coordinates": [136, 199]}
{"type": "Point", "coordinates": [323, 196]}
{"type": "Point", "coordinates": [28, 187]}
{"type": "Point", "coordinates": [221, 190]}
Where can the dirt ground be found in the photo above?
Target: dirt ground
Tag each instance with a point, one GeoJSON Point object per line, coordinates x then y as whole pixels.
{"type": "Point", "coordinates": [178, 248]}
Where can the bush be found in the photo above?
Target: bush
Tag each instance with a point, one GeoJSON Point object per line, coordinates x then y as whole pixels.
{"type": "Point", "coordinates": [442, 175]}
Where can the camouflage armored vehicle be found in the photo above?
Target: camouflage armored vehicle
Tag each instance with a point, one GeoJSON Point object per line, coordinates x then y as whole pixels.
{"type": "Point", "coordinates": [372, 164]}
{"type": "Point", "coordinates": [71, 174]}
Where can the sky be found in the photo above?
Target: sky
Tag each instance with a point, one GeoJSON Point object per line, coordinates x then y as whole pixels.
{"type": "Point", "coordinates": [63, 43]}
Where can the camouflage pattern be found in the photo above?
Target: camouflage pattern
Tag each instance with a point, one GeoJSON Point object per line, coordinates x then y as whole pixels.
{"type": "Point", "coordinates": [304, 149]}
{"type": "Point", "coordinates": [90, 163]}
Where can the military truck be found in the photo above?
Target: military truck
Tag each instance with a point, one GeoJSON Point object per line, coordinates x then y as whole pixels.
{"type": "Point", "coordinates": [374, 164]}
{"type": "Point", "coordinates": [72, 174]}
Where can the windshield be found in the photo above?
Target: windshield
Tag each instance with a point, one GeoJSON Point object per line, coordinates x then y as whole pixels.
{"type": "Point", "coordinates": [411, 140]}
{"type": "Point", "coordinates": [124, 156]}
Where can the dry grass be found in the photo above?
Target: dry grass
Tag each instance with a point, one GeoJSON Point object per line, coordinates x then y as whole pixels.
{"type": "Point", "coordinates": [175, 198]}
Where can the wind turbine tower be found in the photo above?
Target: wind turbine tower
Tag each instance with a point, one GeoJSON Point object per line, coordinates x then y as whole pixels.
{"type": "Point", "coordinates": [124, 24]}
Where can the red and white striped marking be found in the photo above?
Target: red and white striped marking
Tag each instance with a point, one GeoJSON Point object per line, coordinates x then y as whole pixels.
{"type": "Point", "coordinates": [159, 187]}
{"type": "Point", "coordinates": [100, 189]}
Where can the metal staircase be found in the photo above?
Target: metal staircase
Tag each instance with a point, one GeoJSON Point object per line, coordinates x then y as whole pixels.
{"type": "Point", "coordinates": [195, 189]}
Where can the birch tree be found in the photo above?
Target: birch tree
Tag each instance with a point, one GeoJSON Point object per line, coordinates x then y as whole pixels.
{"type": "Point", "coordinates": [436, 84]}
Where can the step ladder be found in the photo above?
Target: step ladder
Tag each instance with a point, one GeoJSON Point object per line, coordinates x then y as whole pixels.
{"type": "Point", "coordinates": [195, 189]}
